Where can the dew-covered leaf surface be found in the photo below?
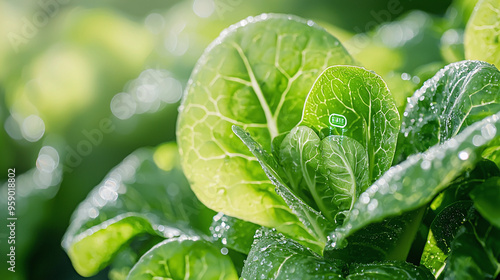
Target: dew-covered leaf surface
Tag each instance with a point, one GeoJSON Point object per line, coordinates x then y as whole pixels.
{"type": "Point", "coordinates": [275, 257]}
{"type": "Point", "coordinates": [388, 271]}
{"type": "Point", "coordinates": [475, 250]}
{"type": "Point", "coordinates": [417, 180]}
{"type": "Point", "coordinates": [354, 102]}
{"type": "Point", "coordinates": [442, 231]}
{"type": "Point", "coordinates": [386, 240]}
{"type": "Point", "coordinates": [183, 258]}
{"type": "Point", "coordinates": [233, 233]}
{"type": "Point", "coordinates": [458, 95]}
{"type": "Point", "coordinates": [255, 75]}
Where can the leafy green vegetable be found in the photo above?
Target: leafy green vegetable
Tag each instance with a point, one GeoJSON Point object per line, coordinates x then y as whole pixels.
{"type": "Point", "coordinates": [299, 157]}
{"type": "Point", "coordinates": [328, 174]}
{"type": "Point", "coordinates": [475, 250]}
{"type": "Point", "coordinates": [255, 75]}
{"type": "Point", "coordinates": [145, 194]}
{"type": "Point", "coordinates": [233, 233]}
{"type": "Point", "coordinates": [351, 101]}
{"type": "Point", "coordinates": [461, 187]}
{"type": "Point", "coordinates": [457, 96]}
{"type": "Point", "coordinates": [387, 240]}
{"type": "Point", "coordinates": [126, 258]}
{"type": "Point", "coordinates": [442, 231]}
{"type": "Point", "coordinates": [275, 257]}
{"type": "Point", "coordinates": [482, 33]}
{"type": "Point", "coordinates": [295, 146]}
{"type": "Point", "coordinates": [414, 183]}
{"type": "Point", "coordinates": [316, 226]}
{"type": "Point", "coordinates": [388, 270]}
{"type": "Point", "coordinates": [486, 197]}
{"type": "Point", "coordinates": [344, 165]}
{"type": "Point", "coordinates": [94, 249]}
{"type": "Point", "coordinates": [184, 258]}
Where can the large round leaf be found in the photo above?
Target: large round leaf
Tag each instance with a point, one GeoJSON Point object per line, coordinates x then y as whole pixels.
{"type": "Point", "coordinates": [255, 75]}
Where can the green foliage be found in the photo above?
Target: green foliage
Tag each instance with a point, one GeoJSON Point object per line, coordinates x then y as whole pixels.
{"type": "Point", "coordinates": [486, 197]}
{"type": "Point", "coordinates": [275, 257]}
{"type": "Point", "coordinates": [414, 182]}
{"type": "Point", "coordinates": [482, 33]}
{"type": "Point", "coordinates": [145, 197]}
{"type": "Point", "coordinates": [365, 107]}
{"type": "Point", "coordinates": [474, 250]}
{"type": "Point", "coordinates": [457, 96]}
{"type": "Point", "coordinates": [316, 225]}
{"type": "Point", "coordinates": [314, 172]}
{"type": "Point", "coordinates": [183, 258]}
{"type": "Point", "coordinates": [255, 75]}
{"type": "Point", "coordinates": [233, 233]}
{"type": "Point", "coordinates": [388, 270]}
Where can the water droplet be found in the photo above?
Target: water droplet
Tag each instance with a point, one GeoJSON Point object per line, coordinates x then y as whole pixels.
{"type": "Point", "coordinates": [425, 164]}
{"type": "Point", "coordinates": [373, 204]}
{"type": "Point", "coordinates": [364, 198]}
{"type": "Point", "coordinates": [463, 155]}
{"type": "Point", "coordinates": [478, 140]}
{"type": "Point", "coordinates": [224, 251]}
{"type": "Point", "coordinates": [488, 131]}
{"type": "Point", "coordinates": [221, 191]}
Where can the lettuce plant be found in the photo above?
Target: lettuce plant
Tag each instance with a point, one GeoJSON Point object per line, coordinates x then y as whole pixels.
{"type": "Point", "coordinates": [312, 168]}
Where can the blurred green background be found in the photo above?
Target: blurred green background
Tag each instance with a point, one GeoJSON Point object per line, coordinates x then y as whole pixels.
{"type": "Point", "coordinates": [85, 83]}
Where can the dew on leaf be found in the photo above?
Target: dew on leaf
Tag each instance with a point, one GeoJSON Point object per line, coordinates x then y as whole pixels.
{"type": "Point", "coordinates": [463, 155]}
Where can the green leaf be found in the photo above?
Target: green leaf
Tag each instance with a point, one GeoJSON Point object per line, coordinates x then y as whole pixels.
{"type": "Point", "coordinates": [233, 233]}
{"type": "Point", "coordinates": [482, 40]}
{"type": "Point", "coordinates": [145, 194]}
{"type": "Point", "coordinates": [354, 102]}
{"type": "Point", "coordinates": [493, 153]}
{"type": "Point", "coordinates": [442, 231]}
{"type": "Point", "coordinates": [460, 188]}
{"type": "Point", "coordinates": [123, 262]}
{"type": "Point", "coordinates": [327, 174]}
{"type": "Point", "coordinates": [387, 240]}
{"type": "Point", "coordinates": [311, 227]}
{"type": "Point", "coordinates": [344, 165]}
{"type": "Point", "coordinates": [486, 198]}
{"type": "Point", "coordinates": [475, 251]}
{"type": "Point", "coordinates": [275, 257]}
{"type": "Point", "coordinates": [255, 75]}
{"type": "Point", "coordinates": [414, 182]}
{"type": "Point", "coordinates": [388, 270]}
{"type": "Point", "coordinates": [126, 258]}
{"type": "Point", "coordinates": [299, 156]}
{"type": "Point", "coordinates": [183, 258]}
{"type": "Point", "coordinates": [457, 96]}
{"type": "Point", "coordinates": [94, 249]}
